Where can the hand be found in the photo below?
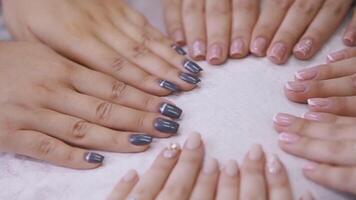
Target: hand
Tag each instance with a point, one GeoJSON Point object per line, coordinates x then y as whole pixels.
{"type": "Point", "coordinates": [52, 111]}
{"type": "Point", "coordinates": [350, 33]}
{"type": "Point", "coordinates": [106, 36]}
{"type": "Point", "coordinates": [180, 175]}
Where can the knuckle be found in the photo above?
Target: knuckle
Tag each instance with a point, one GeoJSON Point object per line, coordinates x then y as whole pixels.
{"type": "Point", "coordinates": [119, 63]}
{"type": "Point", "coordinates": [80, 129]}
{"type": "Point", "coordinates": [307, 7]}
{"type": "Point", "coordinates": [192, 6]}
{"type": "Point", "coordinates": [336, 147]}
{"type": "Point", "coordinates": [140, 123]}
{"type": "Point", "coordinates": [283, 4]}
{"type": "Point", "coordinates": [139, 50]}
{"type": "Point", "coordinates": [336, 8]}
{"type": "Point", "coordinates": [148, 101]}
{"type": "Point", "coordinates": [46, 147]}
{"type": "Point", "coordinates": [118, 90]}
{"type": "Point", "coordinates": [103, 111]}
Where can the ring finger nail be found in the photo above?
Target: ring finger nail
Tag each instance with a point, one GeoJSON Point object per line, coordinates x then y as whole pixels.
{"type": "Point", "coordinates": [166, 126]}
{"type": "Point", "coordinates": [215, 53]}
{"type": "Point", "coordinates": [92, 157]}
{"type": "Point", "coordinates": [259, 46]}
{"type": "Point", "coordinates": [179, 49]}
{"type": "Point", "coordinates": [319, 103]}
{"type": "Point", "coordinates": [140, 139]}
{"type": "Point", "coordinates": [306, 74]}
{"type": "Point", "coordinates": [288, 138]}
{"type": "Point", "coordinates": [198, 50]}
{"type": "Point", "coordinates": [278, 52]}
{"type": "Point", "coordinates": [282, 119]}
{"type": "Point", "coordinates": [168, 85]}
{"type": "Point", "coordinates": [296, 87]}
{"type": "Point", "coordinates": [192, 66]}
{"type": "Point", "coordinates": [303, 48]}
{"type": "Point", "coordinates": [189, 78]}
{"type": "Point", "coordinates": [170, 110]}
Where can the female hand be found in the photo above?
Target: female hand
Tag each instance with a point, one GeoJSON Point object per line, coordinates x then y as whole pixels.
{"type": "Point", "coordinates": [180, 175]}
{"type": "Point", "coordinates": [52, 111]}
{"type": "Point", "coordinates": [106, 36]}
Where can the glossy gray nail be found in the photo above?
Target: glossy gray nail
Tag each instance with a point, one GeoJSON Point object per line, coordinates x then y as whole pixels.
{"type": "Point", "coordinates": [189, 78]}
{"type": "Point", "coordinates": [179, 49]}
{"type": "Point", "coordinates": [166, 126]}
{"type": "Point", "coordinates": [168, 85]}
{"type": "Point", "coordinates": [170, 110]}
{"type": "Point", "coordinates": [192, 66]}
{"type": "Point", "coordinates": [140, 139]}
{"type": "Point", "coordinates": [92, 157]}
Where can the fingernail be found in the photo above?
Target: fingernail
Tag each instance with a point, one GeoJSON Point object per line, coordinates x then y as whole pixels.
{"type": "Point", "coordinates": [231, 168]}
{"type": "Point", "coordinates": [336, 56]}
{"type": "Point", "coordinates": [210, 166]}
{"type": "Point", "coordinates": [189, 78]}
{"type": "Point", "coordinates": [166, 126]}
{"type": "Point", "coordinates": [259, 46]}
{"type": "Point", "coordinates": [130, 176]}
{"type": "Point", "coordinates": [255, 153]}
{"type": "Point", "coordinates": [274, 165]}
{"type": "Point", "coordinates": [306, 74]}
{"type": "Point", "coordinates": [171, 151]}
{"type": "Point", "coordinates": [283, 119]}
{"type": "Point", "coordinates": [215, 53]}
{"type": "Point", "coordinates": [312, 116]}
{"type": "Point", "coordinates": [288, 138]}
{"type": "Point", "coordinates": [310, 166]}
{"type": "Point", "coordinates": [140, 139]}
{"type": "Point", "coordinates": [350, 37]}
{"type": "Point", "coordinates": [178, 36]}
{"type": "Point", "coordinates": [296, 87]}
{"type": "Point", "coordinates": [237, 48]}
{"type": "Point", "coordinates": [170, 110]}
{"type": "Point", "coordinates": [198, 50]}
{"type": "Point", "coordinates": [319, 103]}
{"type": "Point", "coordinates": [307, 196]}
{"type": "Point", "coordinates": [168, 85]}
{"type": "Point", "coordinates": [179, 49]}
{"type": "Point", "coordinates": [303, 48]}
{"type": "Point", "coordinates": [193, 142]}
{"type": "Point", "coordinates": [192, 66]}
{"type": "Point", "coordinates": [92, 157]}
{"type": "Point", "coordinates": [278, 53]}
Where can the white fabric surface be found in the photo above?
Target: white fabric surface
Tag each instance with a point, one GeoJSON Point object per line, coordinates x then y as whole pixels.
{"type": "Point", "coordinates": [233, 108]}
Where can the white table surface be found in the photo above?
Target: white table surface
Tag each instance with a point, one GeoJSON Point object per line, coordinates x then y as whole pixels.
{"type": "Point", "coordinates": [233, 108]}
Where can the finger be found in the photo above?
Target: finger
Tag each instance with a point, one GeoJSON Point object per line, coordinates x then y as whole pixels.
{"type": "Point", "coordinates": [173, 20]}
{"type": "Point", "coordinates": [123, 188]}
{"type": "Point", "coordinates": [339, 178]}
{"type": "Point", "coordinates": [218, 22]}
{"type": "Point", "coordinates": [277, 180]}
{"type": "Point", "coordinates": [350, 34]}
{"type": "Point", "coordinates": [271, 16]}
{"type": "Point", "coordinates": [205, 187]}
{"type": "Point", "coordinates": [335, 105]}
{"type": "Point", "coordinates": [328, 118]}
{"type": "Point", "coordinates": [320, 30]}
{"type": "Point", "coordinates": [307, 196]}
{"type": "Point", "coordinates": [245, 14]}
{"type": "Point", "coordinates": [152, 182]}
{"type": "Point", "coordinates": [341, 55]}
{"type": "Point", "coordinates": [253, 183]}
{"type": "Point", "coordinates": [319, 150]}
{"type": "Point", "coordinates": [298, 18]}
{"type": "Point", "coordinates": [193, 12]}
{"type": "Point", "coordinates": [181, 181]}
{"type": "Point", "coordinates": [229, 182]}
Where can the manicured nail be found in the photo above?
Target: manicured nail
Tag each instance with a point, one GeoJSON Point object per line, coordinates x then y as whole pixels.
{"type": "Point", "coordinates": [192, 66]}
{"type": "Point", "coordinates": [130, 176]}
{"type": "Point", "coordinates": [189, 78]}
{"type": "Point", "coordinates": [169, 86]}
{"type": "Point", "coordinates": [231, 168]}
{"type": "Point", "coordinates": [303, 48]}
{"type": "Point", "coordinates": [278, 53]}
{"type": "Point", "coordinates": [313, 116]}
{"type": "Point", "coordinates": [92, 157]}
{"type": "Point", "coordinates": [193, 142]}
{"type": "Point", "coordinates": [171, 151]}
{"type": "Point", "coordinates": [166, 126]}
{"type": "Point", "coordinates": [319, 103]}
{"type": "Point", "coordinates": [336, 56]}
{"type": "Point", "coordinates": [237, 48]}
{"type": "Point", "coordinates": [210, 166]}
{"type": "Point", "coordinates": [350, 37]}
{"type": "Point", "coordinates": [215, 53]}
{"type": "Point", "coordinates": [306, 74]}
{"type": "Point", "coordinates": [307, 196]}
{"type": "Point", "coordinates": [179, 49]}
{"type": "Point", "coordinates": [178, 36]}
{"type": "Point", "coordinates": [170, 110]}
{"type": "Point", "coordinates": [198, 50]}
{"type": "Point", "coordinates": [288, 138]}
{"type": "Point", "coordinates": [310, 166]}
{"type": "Point", "coordinates": [259, 46]}
{"type": "Point", "coordinates": [255, 153]}
{"type": "Point", "coordinates": [296, 87]}
{"type": "Point", "coordinates": [140, 139]}
{"type": "Point", "coordinates": [282, 119]}
{"type": "Point", "coordinates": [274, 164]}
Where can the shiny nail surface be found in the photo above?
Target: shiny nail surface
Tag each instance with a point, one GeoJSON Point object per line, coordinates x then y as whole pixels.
{"type": "Point", "coordinates": [306, 74]}
{"type": "Point", "coordinates": [179, 49]}
{"type": "Point", "coordinates": [278, 53]}
{"type": "Point", "coordinates": [166, 126]}
{"type": "Point", "coordinates": [169, 86]}
{"type": "Point", "coordinates": [283, 119]}
{"type": "Point", "coordinates": [198, 50]}
{"type": "Point", "coordinates": [192, 66]}
{"type": "Point", "coordinates": [170, 110]}
{"type": "Point", "coordinates": [92, 157]}
{"type": "Point", "coordinates": [259, 46]}
{"type": "Point", "coordinates": [313, 116]}
{"type": "Point", "coordinates": [140, 139]}
{"type": "Point", "coordinates": [288, 138]}
{"type": "Point", "coordinates": [189, 78]}
{"type": "Point", "coordinates": [319, 103]}
{"type": "Point", "coordinates": [303, 48]}
{"type": "Point", "coordinates": [255, 153]}
{"type": "Point", "coordinates": [274, 165]}
{"type": "Point", "coordinates": [237, 48]}
{"type": "Point", "coordinates": [193, 142]}
{"type": "Point", "coordinates": [296, 87]}
{"type": "Point", "coordinates": [215, 53]}
{"type": "Point", "coordinates": [336, 56]}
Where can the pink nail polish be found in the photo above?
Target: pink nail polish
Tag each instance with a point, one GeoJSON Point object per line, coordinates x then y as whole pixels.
{"type": "Point", "coordinates": [336, 56]}
{"type": "Point", "coordinates": [303, 48]}
{"type": "Point", "coordinates": [237, 48]}
{"type": "Point", "coordinates": [198, 50]}
{"type": "Point", "coordinates": [259, 46]}
{"type": "Point", "coordinates": [231, 168]}
{"type": "Point", "coordinates": [313, 116]}
{"type": "Point", "coordinates": [178, 36]}
{"type": "Point", "coordinates": [283, 119]}
{"type": "Point", "coordinates": [288, 138]}
{"type": "Point", "coordinates": [278, 53]}
{"type": "Point", "coordinates": [310, 166]}
{"type": "Point", "coordinates": [350, 37]}
{"type": "Point", "coordinates": [215, 53]}
{"type": "Point", "coordinates": [319, 103]}
{"type": "Point", "coordinates": [306, 74]}
{"type": "Point", "coordinates": [296, 87]}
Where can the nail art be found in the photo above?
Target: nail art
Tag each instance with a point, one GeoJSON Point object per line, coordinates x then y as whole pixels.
{"type": "Point", "coordinates": [166, 126]}
{"type": "Point", "coordinates": [231, 168]}
{"type": "Point", "coordinates": [215, 53]}
{"type": "Point", "coordinates": [304, 47]}
{"type": "Point", "coordinates": [140, 139]}
{"type": "Point", "coordinates": [237, 48]}
{"type": "Point", "coordinates": [296, 87]}
{"type": "Point", "coordinates": [170, 110]}
{"type": "Point", "coordinates": [306, 74]}
{"type": "Point", "coordinates": [169, 86]}
{"type": "Point", "coordinates": [179, 49]}
{"type": "Point", "coordinates": [282, 119]}
{"type": "Point", "coordinates": [288, 138]}
{"type": "Point", "coordinates": [259, 46]}
{"type": "Point", "coordinates": [274, 165]}
{"type": "Point", "coordinates": [192, 66]}
{"type": "Point", "coordinates": [255, 152]}
{"type": "Point", "coordinates": [193, 142]}
{"type": "Point", "coordinates": [92, 157]}
{"type": "Point", "coordinates": [171, 151]}
{"type": "Point", "coordinates": [198, 50]}
{"type": "Point", "coordinates": [189, 78]}
{"type": "Point", "coordinates": [278, 53]}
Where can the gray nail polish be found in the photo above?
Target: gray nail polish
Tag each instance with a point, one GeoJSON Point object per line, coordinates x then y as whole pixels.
{"type": "Point", "coordinates": [170, 110]}
{"type": "Point", "coordinates": [179, 49]}
{"type": "Point", "coordinates": [92, 157]}
{"type": "Point", "coordinates": [166, 126]}
{"type": "Point", "coordinates": [168, 85]}
{"type": "Point", "coordinates": [192, 66]}
{"type": "Point", "coordinates": [140, 139]}
{"type": "Point", "coordinates": [189, 78]}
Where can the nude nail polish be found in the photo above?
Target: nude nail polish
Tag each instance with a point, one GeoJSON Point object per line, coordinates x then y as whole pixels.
{"type": "Point", "coordinates": [130, 176]}
{"type": "Point", "coordinates": [336, 56]}
{"type": "Point", "coordinates": [303, 48]}
{"type": "Point", "coordinates": [92, 157]}
{"type": "Point", "coordinates": [170, 110]}
{"type": "Point", "coordinates": [274, 165]}
{"type": "Point", "coordinates": [215, 53]}
{"type": "Point", "coordinates": [313, 116]}
{"type": "Point", "coordinates": [198, 50]}
{"type": "Point", "coordinates": [259, 46]}
{"type": "Point", "coordinates": [231, 168]}
{"type": "Point", "coordinates": [282, 119]}
{"type": "Point", "coordinates": [193, 142]}
{"type": "Point", "coordinates": [306, 74]}
{"type": "Point", "coordinates": [278, 53]}
{"type": "Point", "coordinates": [319, 103]}
{"type": "Point", "coordinates": [255, 153]}
{"type": "Point", "coordinates": [296, 87]}
{"type": "Point", "coordinates": [210, 166]}
{"type": "Point", "coordinates": [288, 138]}
{"type": "Point", "coordinates": [237, 48]}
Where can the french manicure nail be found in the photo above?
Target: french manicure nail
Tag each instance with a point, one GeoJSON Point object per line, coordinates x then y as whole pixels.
{"type": "Point", "coordinates": [189, 78]}
{"type": "Point", "coordinates": [171, 151]}
{"type": "Point", "coordinates": [255, 153]}
{"type": "Point", "coordinates": [92, 157]}
{"type": "Point", "coordinates": [283, 119]}
{"type": "Point", "coordinates": [350, 37]}
{"type": "Point", "coordinates": [296, 87]}
{"type": "Point", "coordinates": [215, 53]}
{"type": "Point", "coordinates": [306, 74]}
{"type": "Point", "coordinates": [303, 48]}
{"type": "Point", "coordinates": [170, 110]}
{"type": "Point", "coordinates": [131, 175]}
{"type": "Point", "coordinates": [274, 165]}
{"type": "Point", "coordinates": [193, 142]}
{"type": "Point", "coordinates": [168, 86]}
{"type": "Point", "coordinates": [198, 50]}
{"type": "Point", "coordinates": [310, 166]}
{"type": "Point", "coordinates": [259, 46]}
{"type": "Point", "coordinates": [237, 48]}
{"type": "Point", "coordinates": [319, 103]}
{"type": "Point", "coordinates": [140, 139]}
{"type": "Point", "coordinates": [278, 53]}
{"type": "Point", "coordinates": [336, 56]}
{"type": "Point", "coordinates": [192, 66]}
{"type": "Point", "coordinates": [166, 126]}
{"type": "Point", "coordinates": [307, 196]}
{"type": "Point", "coordinates": [231, 168]}
{"type": "Point", "coordinates": [210, 166]}
{"type": "Point", "coordinates": [179, 49]}
{"type": "Point", "coordinates": [312, 116]}
{"type": "Point", "coordinates": [288, 138]}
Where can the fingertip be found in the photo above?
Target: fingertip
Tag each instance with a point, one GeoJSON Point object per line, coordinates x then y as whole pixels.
{"type": "Point", "coordinates": [238, 49]}
{"type": "Point", "coordinates": [349, 38]}
{"type": "Point", "coordinates": [303, 49]}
